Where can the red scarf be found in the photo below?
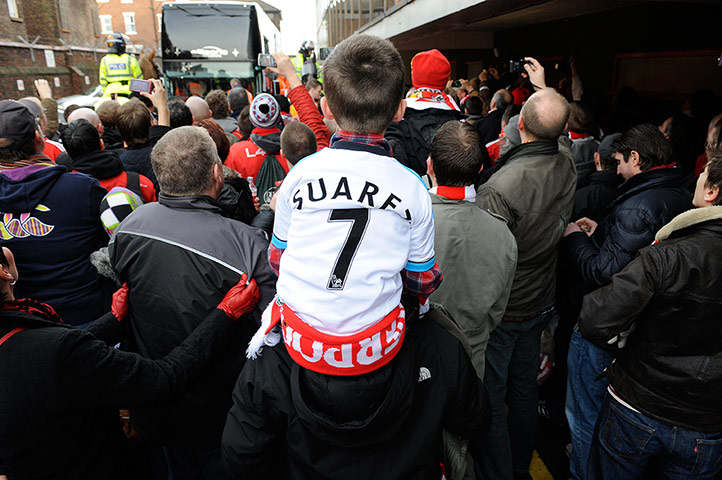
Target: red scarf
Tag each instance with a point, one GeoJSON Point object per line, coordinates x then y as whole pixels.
{"type": "Point", "coordinates": [32, 307]}
{"type": "Point", "coordinates": [578, 136]}
{"type": "Point", "coordinates": [320, 352]}
{"type": "Point", "coordinates": [467, 193]}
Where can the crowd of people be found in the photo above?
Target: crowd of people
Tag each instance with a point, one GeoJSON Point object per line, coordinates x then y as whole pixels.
{"type": "Point", "coordinates": [360, 279]}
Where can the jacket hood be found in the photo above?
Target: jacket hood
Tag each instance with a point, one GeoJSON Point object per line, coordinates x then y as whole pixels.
{"type": "Point", "coordinates": [227, 124]}
{"type": "Point", "coordinates": [358, 410]}
{"type": "Point", "coordinates": [112, 139]}
{"type": "Point", "coordinates": [269, 143]}
{"type": "Point", "coordinates": [101, 164]}
{"type": "Point", "coordinates": [688, 219]}
{"type": "Point", "coordinates": [23, 189]}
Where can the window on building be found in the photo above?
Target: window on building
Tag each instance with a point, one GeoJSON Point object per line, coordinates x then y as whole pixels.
{"type": "Point", "coordinates": [64, 12]}
{"type": "Point", "coordinates": [13, 9]}
{"type": "Point", "coordinates": [106, 23]}
{"type": "Point", "coordinates": [102, 1]}
{"type": "Point", "coordinates": [159, 16]}
{"type": "Point", "coordinates": [129, 18]}
{"type": "Point", "coordinates": [126, 1]}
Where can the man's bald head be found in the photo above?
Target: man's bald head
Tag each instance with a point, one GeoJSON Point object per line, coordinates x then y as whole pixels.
{"type": "Point", "coordinates": [543, 116]}
{"type": "Point", "coordinates": [199, 109]}
{"type": "Point", "coordinates": [89, 115]}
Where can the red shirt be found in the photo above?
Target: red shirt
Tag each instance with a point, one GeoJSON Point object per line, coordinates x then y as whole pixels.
{"type": "Point", "coordinates": [121, 180]}
{"type": "Point", "coordinates": [246, 157]}
{"type": "Point", "coordinates": [52, 149]}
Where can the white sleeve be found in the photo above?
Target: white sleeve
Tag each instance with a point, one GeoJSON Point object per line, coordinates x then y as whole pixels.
{"type": "Point", "coordinates": [421, 253]}
{"type": "Point", "coordinates": [282, 217]}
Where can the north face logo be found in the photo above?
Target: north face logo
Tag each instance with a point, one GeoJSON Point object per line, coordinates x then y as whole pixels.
{"type": "Point", "coordinates": [424, 374]}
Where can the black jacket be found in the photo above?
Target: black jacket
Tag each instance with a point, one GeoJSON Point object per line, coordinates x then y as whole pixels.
{"type": "Point", "coordinates": [670, 298]}
{"type": "Point", "coordinates": [180, 256]}
{"type": "Point", "coordinates": [489, 127]}
{"type": "Point", "coordinates": [62, 388]}
{"type": "Point", "coordinates": [411, 138]}
{"type": "Point", "coordinates": [593, 200]}
{"type": "Point", "coordinates": [289, 422]}
{"type": "Point", "coordinates": [137, 158]}
{"type": "Point", "coordinates": [646, 202]}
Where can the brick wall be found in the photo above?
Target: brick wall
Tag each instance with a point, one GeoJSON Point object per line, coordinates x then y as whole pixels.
{"type": "Point", "coordinates": [15, 63]}
{"type": "Point", "coordinates": [59, 24]}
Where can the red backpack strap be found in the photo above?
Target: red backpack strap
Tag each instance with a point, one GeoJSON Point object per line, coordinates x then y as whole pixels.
{"type": "Point", "coordinates": [7, 336]}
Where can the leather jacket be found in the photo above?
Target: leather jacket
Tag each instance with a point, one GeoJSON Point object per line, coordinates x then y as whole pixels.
{"type": "Point", "coordinates": [664, 309]}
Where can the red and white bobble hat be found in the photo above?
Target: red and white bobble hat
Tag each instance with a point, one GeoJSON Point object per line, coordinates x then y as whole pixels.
{"type": "Point", "coordinates": [265, 111]}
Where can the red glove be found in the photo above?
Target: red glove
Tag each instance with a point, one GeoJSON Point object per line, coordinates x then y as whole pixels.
{"type": "Point", "coordinates": [241, 298]}
{"type": "Point", "coordinates": [119, 307]}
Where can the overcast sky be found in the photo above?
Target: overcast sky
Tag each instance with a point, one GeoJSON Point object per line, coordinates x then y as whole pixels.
{"type": "Point", "coordinates": [298, 24]}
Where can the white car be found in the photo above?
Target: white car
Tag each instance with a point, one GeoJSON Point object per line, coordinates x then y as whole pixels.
{"type": "Point", "coordinates": [87, 99]}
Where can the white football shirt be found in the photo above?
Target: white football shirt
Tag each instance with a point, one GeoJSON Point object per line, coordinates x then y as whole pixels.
{"type": "Point", "coordinates": [349, 222]}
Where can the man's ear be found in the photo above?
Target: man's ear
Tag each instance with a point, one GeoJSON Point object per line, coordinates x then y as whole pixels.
{"type": "Point", "coordinates": [326, 109]}
{"type": "Point", "coordinates": [711, 194]}
{"type": "Point", "coordinates": [597, 160]}
{"type": "Point", "coordinates": [520, 125]}
{"type": "Point", "coordinates": [634, 158]}
{"type": "Point", "coordinates": [429, 166]}
{"type": "Point", "coordinates": [399, 115]}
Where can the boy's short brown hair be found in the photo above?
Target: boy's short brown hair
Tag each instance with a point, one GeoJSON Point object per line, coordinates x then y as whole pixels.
{"type": "Point", "coordinates": [218, 103]}
{"type": "Point", "coordinates": [134, 121]}
{"type": "Point", "coordinates": [297, 141]}
{"type": "Point", "coordinates": [364, 83]}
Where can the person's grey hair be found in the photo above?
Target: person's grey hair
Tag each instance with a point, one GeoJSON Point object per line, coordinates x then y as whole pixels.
{"type": "Point", "coordinates": [502, 98]}
{"type": "Point", "coordinates": [183, 162]}
{"type": "Point", "coordinates": [545, 115]}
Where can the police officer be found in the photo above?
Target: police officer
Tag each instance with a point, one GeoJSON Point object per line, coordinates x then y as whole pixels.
{"type": "Point", "coordinates": [305, 62]}
{"type": "Point", "coordinates": [118, 67]}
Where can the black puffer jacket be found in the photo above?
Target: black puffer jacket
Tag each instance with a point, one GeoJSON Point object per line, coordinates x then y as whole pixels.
{"type": "Point", "coordinates": [411, 138]}
{"type": "Point", "coordinates": [671, 366]}
{"type": "Point", "coordinates": [646, 202]}
{"type": "Point", "coordinates": [288, 422]}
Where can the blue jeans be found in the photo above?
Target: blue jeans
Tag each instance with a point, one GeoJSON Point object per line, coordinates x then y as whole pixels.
{"type": "Point", "coordinates": [584, 397]}
{"type": "Point", "coordinates": [512, 360]}
{"type": "Point", "coordinates": [624, 442]}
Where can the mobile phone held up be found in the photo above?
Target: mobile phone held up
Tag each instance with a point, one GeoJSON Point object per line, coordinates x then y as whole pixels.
{"type": "Point", "coordinates": [517, 66]}
{"type": "Point", "coordinates": [266, 60]}
{"type": "Point", "coordinates": [138, 85]}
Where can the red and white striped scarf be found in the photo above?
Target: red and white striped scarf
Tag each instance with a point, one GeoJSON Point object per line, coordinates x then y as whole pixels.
{"type": "Point", "coordinates": [432, 96]}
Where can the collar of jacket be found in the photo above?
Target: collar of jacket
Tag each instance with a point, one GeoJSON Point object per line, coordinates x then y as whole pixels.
{"type": "Point", "coordinates": [530, 149]}
{"type": "Point", "coordinates": [100, 164]}
{"type": "Point", "coordinates": [661, 177]}
{"type": "Point", "coordinates": [688, 219]}
{"type": "Point", "coordinates": [201, 202]}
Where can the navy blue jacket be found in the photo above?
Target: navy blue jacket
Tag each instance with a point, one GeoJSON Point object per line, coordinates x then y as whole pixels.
{"type": "Point", "coordinates": [646, 202]}
{"type": "Point", "coordinates": [51, 222]}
